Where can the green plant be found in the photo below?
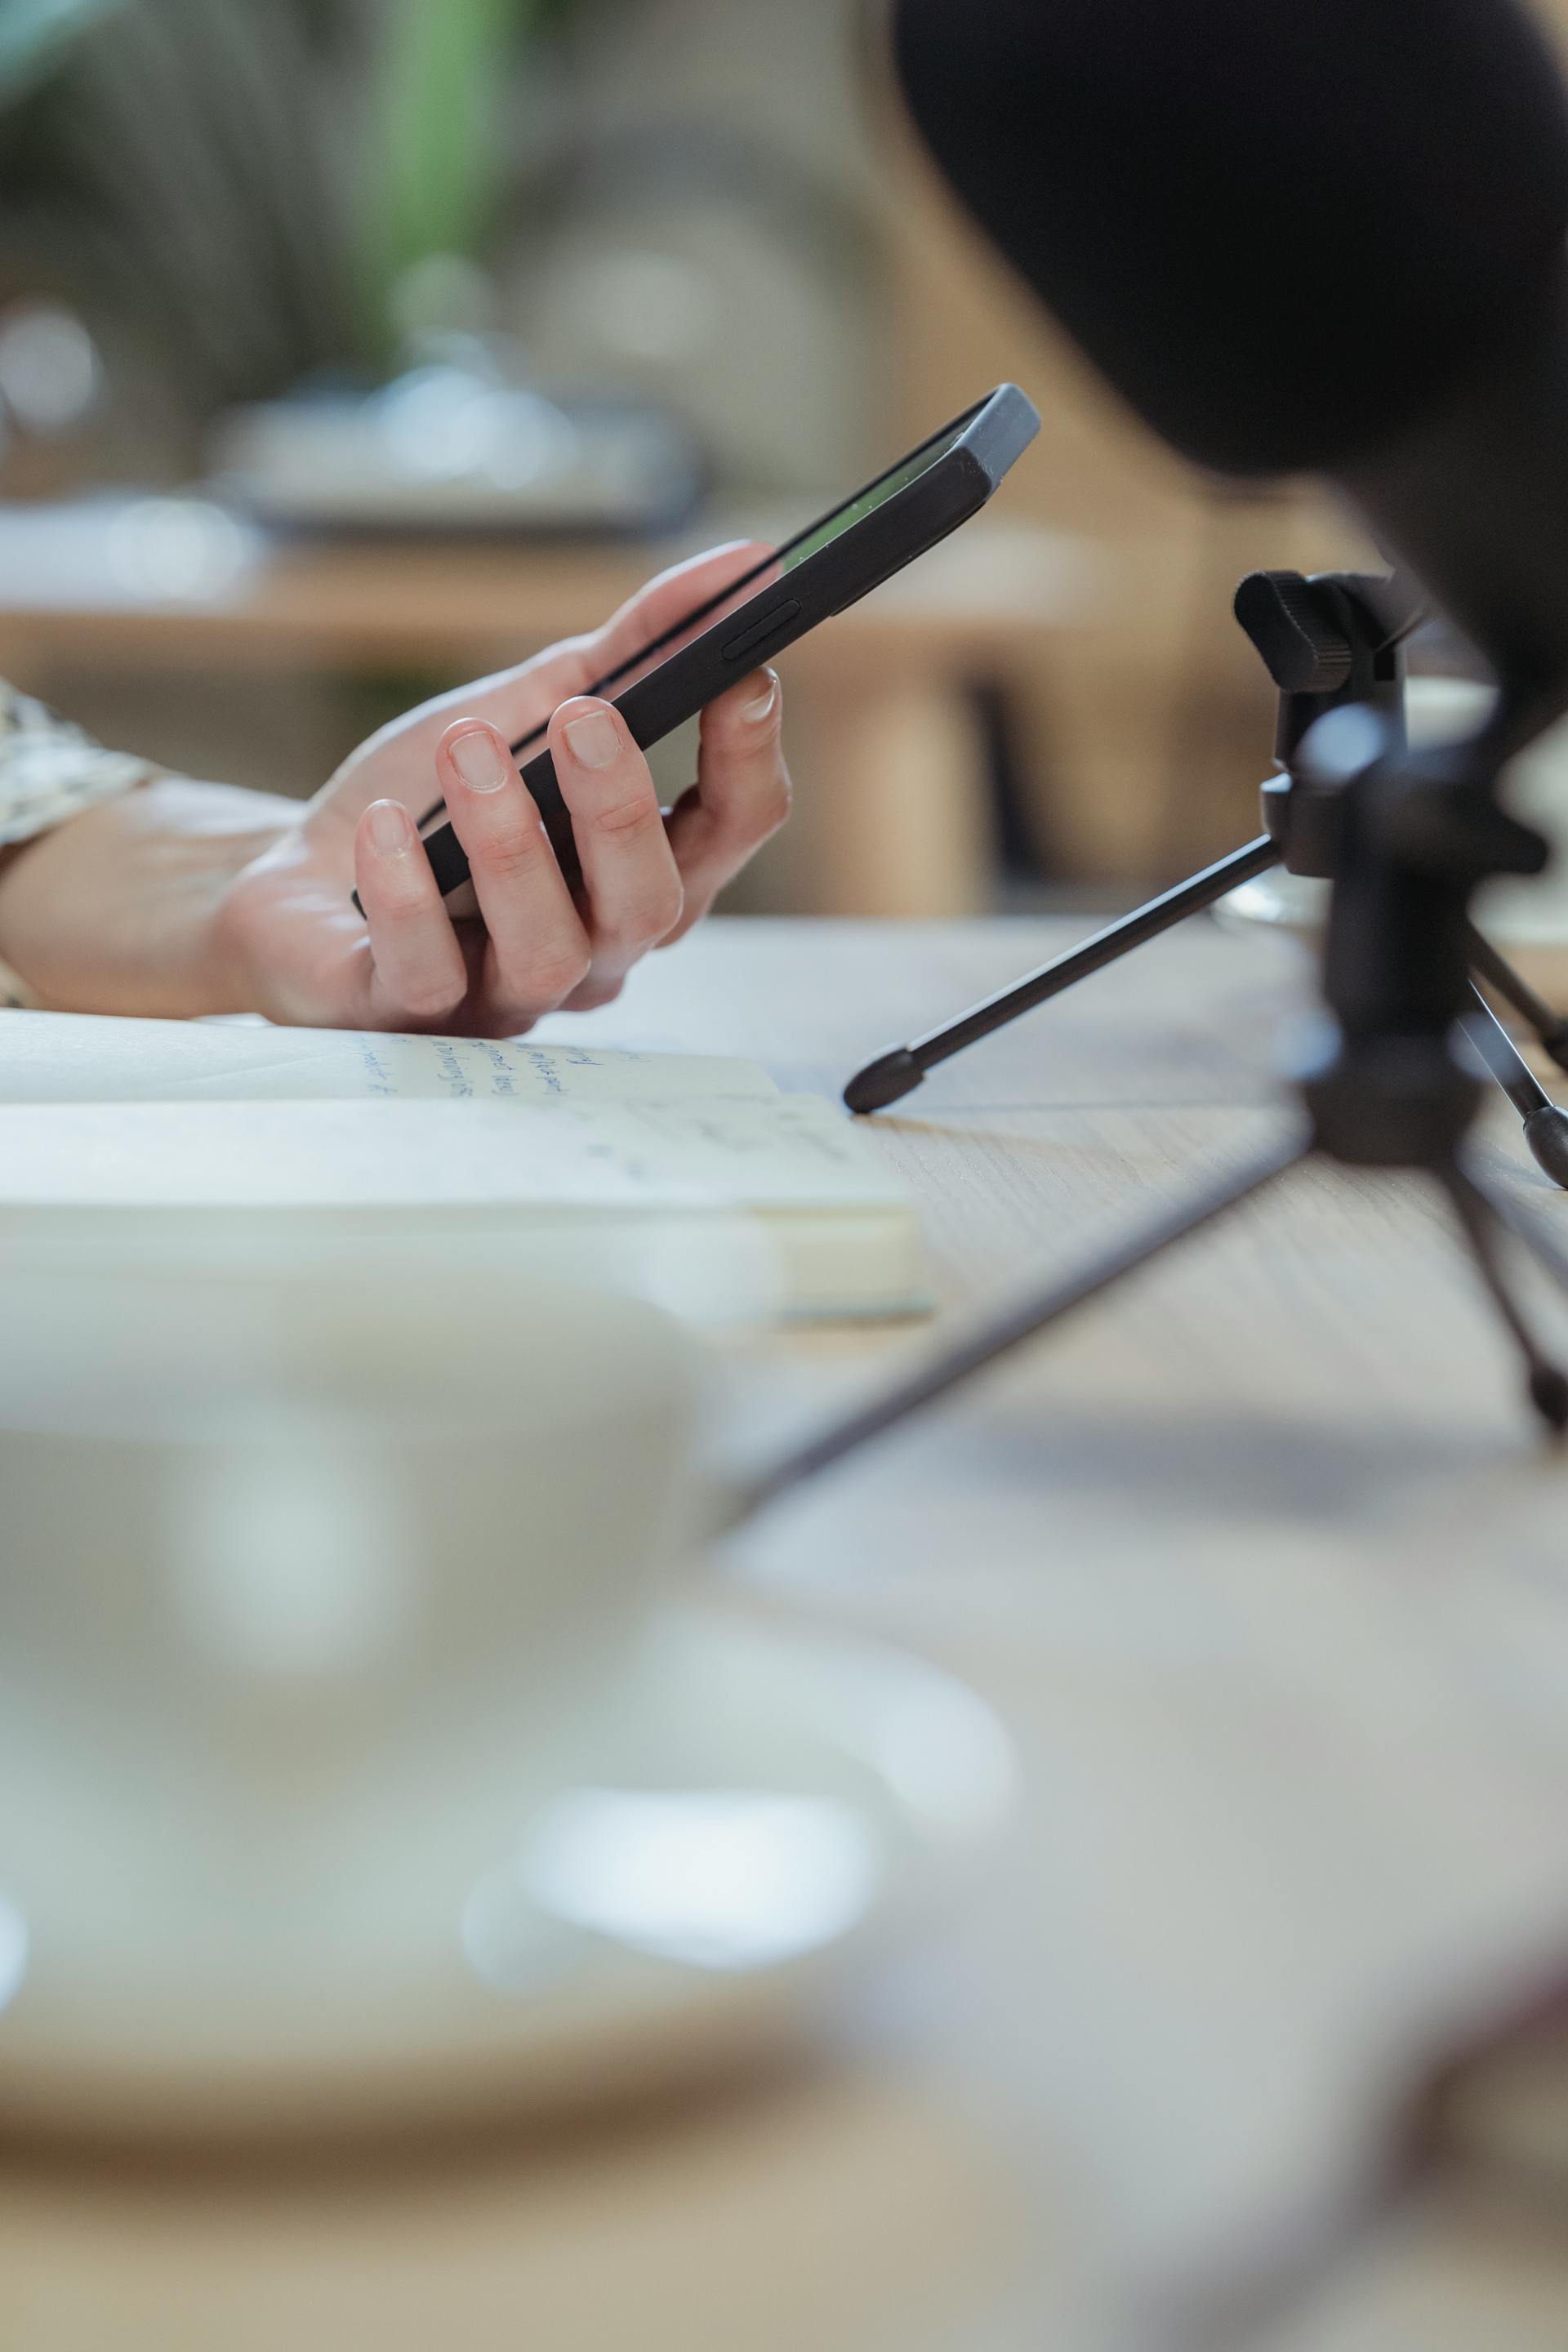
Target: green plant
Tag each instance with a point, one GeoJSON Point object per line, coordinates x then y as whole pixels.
{"type": "Point", "coordinates": [35, 35]}
{"type": "Point", "coordinates": [235, 187]}
{"type": "Point", "coordinates": [434, 174]}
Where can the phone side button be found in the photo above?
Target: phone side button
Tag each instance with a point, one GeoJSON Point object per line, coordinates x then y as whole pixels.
{"type": "Point", "coordinates": [761, 631]}
{"type": "Point", "coordinates": [448, 859]}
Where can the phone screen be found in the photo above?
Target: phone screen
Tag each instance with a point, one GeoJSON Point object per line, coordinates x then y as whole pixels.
{"type": "Point", "coordinates": [771, 566]}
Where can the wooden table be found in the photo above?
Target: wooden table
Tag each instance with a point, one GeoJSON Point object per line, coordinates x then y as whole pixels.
{"type": "Point", "coordinates": [898, 819]}
{"type": "Point", "coordinates": [1264, 1565]}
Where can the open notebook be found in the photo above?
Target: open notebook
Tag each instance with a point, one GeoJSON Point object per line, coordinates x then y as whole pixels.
{"type": "Point", "coordinates": [208, 1120]}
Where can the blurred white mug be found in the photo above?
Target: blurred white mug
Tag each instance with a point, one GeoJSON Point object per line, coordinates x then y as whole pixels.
{"type": "Point", "coordinates": [312, 1583]}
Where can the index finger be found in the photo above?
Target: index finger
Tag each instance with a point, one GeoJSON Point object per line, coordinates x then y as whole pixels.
{"type": "Point", "coordinates": [522, 702]}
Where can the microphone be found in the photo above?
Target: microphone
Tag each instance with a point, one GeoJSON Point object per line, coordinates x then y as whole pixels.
{"type": "Point", "coordinates": [1323, 239]}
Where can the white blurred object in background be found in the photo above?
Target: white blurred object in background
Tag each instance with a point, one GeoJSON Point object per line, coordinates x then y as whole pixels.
{"type": "Point", "coordinates": [456, 447]}
{"type": "Point", "coordinates": [50, 372]}
{"type": "Point", "coordinates": [86, 553]}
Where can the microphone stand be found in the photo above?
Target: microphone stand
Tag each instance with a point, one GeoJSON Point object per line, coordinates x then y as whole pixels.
{"type": "Point", "coordinates": [1332, 642]}
{"type": "Point", "coordinates": [1389, 1083]}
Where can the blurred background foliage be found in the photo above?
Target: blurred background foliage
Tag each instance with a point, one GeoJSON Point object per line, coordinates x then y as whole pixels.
{"type": "Point", "coordinates": [242, 188]}
{"type": "Point", "coordinates": [437, 164]}
{"type": "Point", "coordinates": [237, 196]}
{"type": "Point", "coordinates": [168, 171]}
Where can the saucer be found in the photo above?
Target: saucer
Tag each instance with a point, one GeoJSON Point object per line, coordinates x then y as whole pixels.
{"type": "Point", "coordinates": [771, 1806]}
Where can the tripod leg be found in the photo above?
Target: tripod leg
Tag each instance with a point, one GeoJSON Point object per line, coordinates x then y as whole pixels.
{"type": "Point", "coordinates": [1475, 1208]}
{"type": "Point", "coordinates": [1048, 1308]}
{"type": "Point", "coordinates": [1526, 1227]}
{"type": "Point", "coordinates": [1551, 1027]}
{"type": "Point", "coordinates": [900, 1071]}
{"type": "Point", "coordinates": [1545, 1126]}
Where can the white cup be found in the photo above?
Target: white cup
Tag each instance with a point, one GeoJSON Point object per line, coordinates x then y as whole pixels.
{"type": "Point", "coordinates": [310, 1583]}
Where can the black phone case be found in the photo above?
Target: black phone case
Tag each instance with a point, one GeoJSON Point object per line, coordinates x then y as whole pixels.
{"type": "Point", "coordinates": [952, 489]}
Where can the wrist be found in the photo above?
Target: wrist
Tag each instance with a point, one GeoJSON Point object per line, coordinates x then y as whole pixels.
{"type": "Point", "coordinates": [119, 910]}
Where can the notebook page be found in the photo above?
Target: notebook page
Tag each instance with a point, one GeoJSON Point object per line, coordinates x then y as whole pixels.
{"type": "Point", "coordinates": [792, 1152]}
{"type": "Point", "coordinates": [85, 1057]}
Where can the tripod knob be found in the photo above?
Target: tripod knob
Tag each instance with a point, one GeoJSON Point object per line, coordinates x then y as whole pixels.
{"type": "Point", "coordinates": [1296, 630]}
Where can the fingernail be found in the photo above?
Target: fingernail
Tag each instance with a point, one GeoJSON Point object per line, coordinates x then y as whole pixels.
{"type": "Point", "coordinates": [754, 712]}
{"type": "Point", "coordinates": [593, 739]}
{"type": "Point", "coordinates": [480, 760]}
{"type": "Point", "coordinates": [389, 825]}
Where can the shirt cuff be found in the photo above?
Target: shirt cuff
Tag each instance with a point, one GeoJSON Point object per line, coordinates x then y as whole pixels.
{"type": "Point", "coordinates": [50, 771]}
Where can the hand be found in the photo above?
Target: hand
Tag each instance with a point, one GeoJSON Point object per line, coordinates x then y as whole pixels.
{"type": "Point", "coordinates": [187, 898]}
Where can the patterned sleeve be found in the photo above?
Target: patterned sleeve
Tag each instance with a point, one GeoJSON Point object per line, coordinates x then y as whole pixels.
{"type": "Point", "coordinates": [50, 770]}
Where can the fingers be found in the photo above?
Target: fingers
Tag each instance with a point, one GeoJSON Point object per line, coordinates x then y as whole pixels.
{"type": "Point", "coordinates": [518, 701]}
{"type": "Point", "coordinates": [420, 973]}
{"type": "Point", "coordinates": [538, 950]}
{"type": "Point", "coordinates": [642, 884]}
{"type": "Point", "coordinates": [630, 879]}
{"type": "Point", "coordinates": [741, 798]}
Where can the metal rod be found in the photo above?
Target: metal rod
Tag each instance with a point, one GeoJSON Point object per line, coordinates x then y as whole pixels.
{"type": "Point", "coordinates": [1548, 1023]}
{"type": "Point", "coordinates": [1146, 923]}
{"type": "Point", "coordinates": [1504, 1060]}
{"type": "Point", "coordinates": [1522, 1221]}
{"type": "Point", "coordinates": [899, 1071]}
{"type": "Point", "coordinates": [1037, 1313]}
{"type": "Point", "coordinates": [1545, 1126]}
{"type": "Point", "coordinates": [1473, 1205]}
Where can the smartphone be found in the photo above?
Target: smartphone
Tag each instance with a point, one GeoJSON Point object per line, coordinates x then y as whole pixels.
{"type": "Point", "coordinates": [822, 570]}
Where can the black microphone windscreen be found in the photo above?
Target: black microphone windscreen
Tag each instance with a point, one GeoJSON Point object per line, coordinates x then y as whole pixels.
{"type": "Point", "coordinates": [1281, 229]}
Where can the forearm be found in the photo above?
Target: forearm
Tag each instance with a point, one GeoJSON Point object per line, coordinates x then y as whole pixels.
{"type": "Point", "coordinates": [114, 911]}
{"type": "Point", "coordinates": [108, 869]}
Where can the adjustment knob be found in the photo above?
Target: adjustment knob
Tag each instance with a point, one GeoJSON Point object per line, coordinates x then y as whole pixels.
{"type": "Point", "coordinates": [1294, 626]}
